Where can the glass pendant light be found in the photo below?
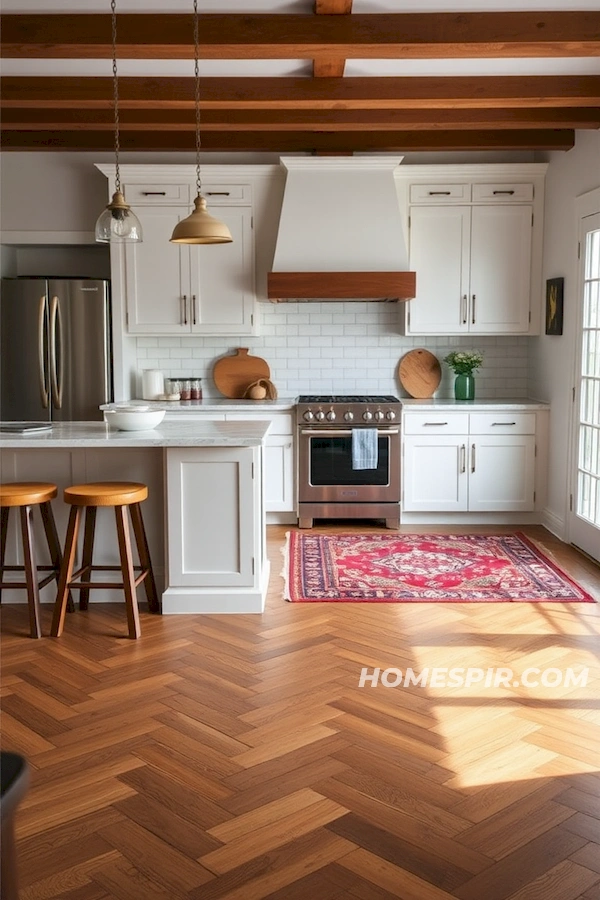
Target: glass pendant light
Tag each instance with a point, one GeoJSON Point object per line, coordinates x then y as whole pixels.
{"type": "Point", "coordinates": [199, 227]}
{"type": "Point", "coordinates": [117, 223]}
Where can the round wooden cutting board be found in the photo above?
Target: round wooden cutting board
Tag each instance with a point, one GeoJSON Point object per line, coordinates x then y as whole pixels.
{"type": "Point", "coordinates": [420, 373]}
{"type": "Point", "coordinates": [233, 374]}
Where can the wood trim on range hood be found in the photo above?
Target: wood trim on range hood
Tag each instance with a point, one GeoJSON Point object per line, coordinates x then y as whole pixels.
{"type": "Point", "coordinates": [341, 285]}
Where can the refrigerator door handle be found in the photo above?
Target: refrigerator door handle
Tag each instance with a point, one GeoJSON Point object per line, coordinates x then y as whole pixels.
{"type": "Point", "coordinates": [42, 369]}
{"type": "Point", "coordinates": [55, 367]}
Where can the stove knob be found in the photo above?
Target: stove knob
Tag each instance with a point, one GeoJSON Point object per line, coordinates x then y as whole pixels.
{"type": "Point", "coordinates": [308, 415]}
{"type": "Point", "coordinates": [378, 415]}
{"type": "Point", "coordinates": [331, 416]}
{"type": "Point", "coordinates": [348, 416]}
{"type": "Point", "coordinates": [367, 415]}
{"type": "Point", "coordinates": [320, 415]}
{"type": "Point", "coordinates": [390, 415]}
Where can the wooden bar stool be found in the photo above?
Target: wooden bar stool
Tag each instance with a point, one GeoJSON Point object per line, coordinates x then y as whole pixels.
{"type": "Point", "coordinates": [24, 496]}
{"type": "Point", "coordinates": [121, 495]}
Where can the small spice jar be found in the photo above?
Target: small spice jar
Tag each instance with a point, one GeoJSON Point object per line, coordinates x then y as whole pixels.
{"type": "Point", "coordinates": [196, 389]}
{"type": "Point", "coordinates": [186, 389]}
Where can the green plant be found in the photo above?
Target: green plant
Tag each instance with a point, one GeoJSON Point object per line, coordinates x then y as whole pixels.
{"type": "Point", "coordinates": [464, 362]}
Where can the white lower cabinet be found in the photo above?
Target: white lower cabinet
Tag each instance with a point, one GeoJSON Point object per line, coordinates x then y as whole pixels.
{"type": "Point", "coordinates": [216, 556]}
{"type": "Point", "coordinates": [478, 462]}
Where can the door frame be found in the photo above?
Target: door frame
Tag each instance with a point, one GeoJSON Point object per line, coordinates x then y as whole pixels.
{"type": "Point", "coordinates": [586, 206]}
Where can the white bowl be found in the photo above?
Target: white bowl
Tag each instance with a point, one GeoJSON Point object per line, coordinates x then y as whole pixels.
{"type": "Point", "coordinates": [134, 418]}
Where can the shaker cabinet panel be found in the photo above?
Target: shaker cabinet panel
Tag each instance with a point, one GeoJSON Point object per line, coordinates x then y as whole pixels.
{"type": "Point", "coordinates": [222, 278]}
{"type": "Point", "coordinates": [157, 275]}
{"type": "Point", "coordinates": [502, 473]}
{"type": "Point", "coordinates": [212, 517]}
{"type": "Point", "coordinates": [439, 253]}
{"type": "Point", "coordinates": [500, 269]}
{"type": "Point", "coordinates": [435, 473]}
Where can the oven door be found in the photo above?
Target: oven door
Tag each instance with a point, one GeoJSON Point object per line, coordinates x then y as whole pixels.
{"type": "Point", "coordinates": [326, 474]}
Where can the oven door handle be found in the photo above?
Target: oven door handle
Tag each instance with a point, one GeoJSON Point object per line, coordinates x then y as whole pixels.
{"type": "Point", "coordinates": [344, 432]}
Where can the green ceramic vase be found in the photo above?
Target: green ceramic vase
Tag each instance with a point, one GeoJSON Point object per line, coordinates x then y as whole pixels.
{"type": "Point", "coordinates": [464, 387]}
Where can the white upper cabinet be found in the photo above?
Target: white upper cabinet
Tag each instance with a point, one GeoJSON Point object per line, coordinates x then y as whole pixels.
{"type": "Point", "coordinates": [157, 275]}
{"type": "Point", "coordinates": [475, 242]}
{"type": "Point", "coordinates": [186, 289]}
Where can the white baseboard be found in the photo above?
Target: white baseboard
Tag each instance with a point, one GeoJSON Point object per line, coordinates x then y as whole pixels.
{"type": "Point", "coordinates": [555, 524]}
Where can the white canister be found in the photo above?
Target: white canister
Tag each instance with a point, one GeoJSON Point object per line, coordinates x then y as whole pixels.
{"type": "Point", "coordinates": [153, 384]}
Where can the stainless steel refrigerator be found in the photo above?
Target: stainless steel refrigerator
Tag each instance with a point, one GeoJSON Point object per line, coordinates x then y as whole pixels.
{"type": "Point", "coordinates": [55, 349]}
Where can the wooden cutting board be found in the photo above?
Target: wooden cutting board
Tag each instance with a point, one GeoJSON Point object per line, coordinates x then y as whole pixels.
{"type": "Point", "coordinates": [233, 374]}
{"type": "Point", "coordinates": [420, 373]}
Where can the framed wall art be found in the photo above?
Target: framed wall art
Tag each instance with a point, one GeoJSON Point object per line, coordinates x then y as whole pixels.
{"type": "Point", "coordinates": [554, 305]}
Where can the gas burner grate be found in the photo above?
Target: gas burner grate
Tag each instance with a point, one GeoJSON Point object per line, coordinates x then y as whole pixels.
{"type": "Point", "coordinates": [347, 398]}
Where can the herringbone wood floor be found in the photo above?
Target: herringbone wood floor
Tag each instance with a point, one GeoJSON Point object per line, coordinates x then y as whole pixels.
{"type": "Point", "coordinates": [236, 756]}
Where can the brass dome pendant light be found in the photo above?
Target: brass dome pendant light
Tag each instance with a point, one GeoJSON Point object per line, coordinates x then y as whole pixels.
{"type": "Point", "coordinates": [117, 223]}
{"type": "Point", "coordinates": [199, 227]}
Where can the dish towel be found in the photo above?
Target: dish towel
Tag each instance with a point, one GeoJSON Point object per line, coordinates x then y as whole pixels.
{"type": "Point", "coordinates": [364, 448]}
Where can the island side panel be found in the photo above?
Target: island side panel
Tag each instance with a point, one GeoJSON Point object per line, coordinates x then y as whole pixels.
{"type": "Point", "coordinates": [216, 530]}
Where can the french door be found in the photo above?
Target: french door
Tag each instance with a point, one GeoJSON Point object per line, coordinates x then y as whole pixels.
{"type": "Point", "coordinates": [585, 503]}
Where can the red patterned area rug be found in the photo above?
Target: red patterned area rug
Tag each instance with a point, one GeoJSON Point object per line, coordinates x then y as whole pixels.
{"type": "Point", "coordinates": [422, 568]}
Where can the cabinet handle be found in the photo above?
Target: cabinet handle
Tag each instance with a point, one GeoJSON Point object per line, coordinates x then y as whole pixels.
{"type": "Point", "coordinates": [510, 193]}
{"type": "Point", "coordinates": [472, 457]}
{"type": "Point", "coordinates": [194, 308]}
{"type": "Point", "coordinates": [503, 423]}
{"type": "Point", "coordinates": [184, 300]}
{"type": "Point", "coordinates": [473, 298]}
{"type": "Point", "coordinates": [439, 193]}
{"type": "Point", "coordinates": [464, 305]}
{"type": "Point", "coordinates": [154, 193]}
{"type": "Point", "coordinates": [435, 423]}
{"type": "Point", "coordinates": [463, 459]}
{"type": "Point", "coordinates": [218, 193]}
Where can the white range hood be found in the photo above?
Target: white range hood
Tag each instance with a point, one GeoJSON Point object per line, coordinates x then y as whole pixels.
{"type": "Point", "coordinates": [341, 232]}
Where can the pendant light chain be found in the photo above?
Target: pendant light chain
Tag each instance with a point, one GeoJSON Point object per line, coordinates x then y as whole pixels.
{"type": "Point", "coordinates": [113, 7]}
{"type": "Point", "coordinates": [197, 98]}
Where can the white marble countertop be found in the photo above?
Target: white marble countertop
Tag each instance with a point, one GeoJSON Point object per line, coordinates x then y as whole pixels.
{"type": "Point", "coordinates": [167, 434]}
{"type": "Point", "coordinates": [447, 403]}
{"type": "Point", "coordinates": [211, 404]}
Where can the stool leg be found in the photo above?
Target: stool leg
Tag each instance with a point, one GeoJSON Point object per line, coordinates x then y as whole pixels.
{"type": "Point", "coordinates": [31, 574]}
{"type": "Point", "coordinates": [3, 535]}
{"type": "Point", "coordinates": [54, 544]}
{"type": "Point", "coordinates": [144, 555]}
{"type": "Point", "coordinates": [133, 618]}
{"type": "Point", "coordinates": [66, 571]}
{"type": "Point", "coordinates": [86, 559]}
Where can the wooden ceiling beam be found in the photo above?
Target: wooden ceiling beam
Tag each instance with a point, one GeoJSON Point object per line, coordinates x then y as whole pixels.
{"type": "Point", "coordinates": [333, 66]}
{"type": "Point", "coordinates": [508, 92]}
{"type": "Point", "coordinates": [397, 141]}
{"type": "Point", "coordinates": [283, 36]}
{"type": "Point", "coordinates": [290, 120]}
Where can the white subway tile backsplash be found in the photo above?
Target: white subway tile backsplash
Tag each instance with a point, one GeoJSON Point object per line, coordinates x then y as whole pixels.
{"type": "Point", "coordinates": [339, 347]}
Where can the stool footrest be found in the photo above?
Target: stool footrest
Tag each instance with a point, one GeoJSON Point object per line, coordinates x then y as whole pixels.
{"type": "Point", "coordinates": [90, 585]}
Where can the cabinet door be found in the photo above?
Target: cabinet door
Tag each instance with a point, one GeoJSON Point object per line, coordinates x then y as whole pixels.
{"type": "Point", "coordinates": [435, 477]}
{"type": "Point", "coordinates": [279, 473]}
{"type": "Point", "coordinates": [502, 473]}
{"type": "Point", "coordinates": [212, 517]}
{"type": "Point", "coordinates": [500, 269]}
{"type": "Point", "coordinates": [439, 254]}
{"type": "Point", "coordinates": [222, 278]}
{"type": "Point", "coordinates": [157, 275]}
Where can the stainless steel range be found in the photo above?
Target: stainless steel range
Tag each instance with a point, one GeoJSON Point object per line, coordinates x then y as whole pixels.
{"type": "Point", "coordinates": [330, 485]}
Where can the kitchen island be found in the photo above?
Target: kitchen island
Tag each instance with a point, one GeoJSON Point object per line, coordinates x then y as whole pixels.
{"type": "Point", "coordinates": [204, 516]}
